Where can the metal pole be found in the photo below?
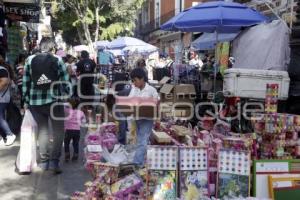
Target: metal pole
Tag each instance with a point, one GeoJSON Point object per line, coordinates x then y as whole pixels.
{"type": "Point", "coordinates": [215, 64]}
{"type": "Point", "coordinates": [276, 13]}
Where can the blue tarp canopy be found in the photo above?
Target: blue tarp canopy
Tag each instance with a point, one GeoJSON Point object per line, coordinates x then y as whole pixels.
{"type": "Point", "coordinates": [219, 16]}
{"type": "Point", "coordinates": [208, 41]}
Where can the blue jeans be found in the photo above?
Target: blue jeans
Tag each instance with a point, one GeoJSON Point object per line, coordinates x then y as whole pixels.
{"type": "Point", "coordinates": [122, 128]}
{"type": "Point", "coordinates": [3, 123]}
{"type": "Point", "coordinates": [144, 129]}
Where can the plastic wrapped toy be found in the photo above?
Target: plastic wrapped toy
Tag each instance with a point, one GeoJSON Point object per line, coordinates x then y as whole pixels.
{"type": "Point", "coordinates": [127, 185]}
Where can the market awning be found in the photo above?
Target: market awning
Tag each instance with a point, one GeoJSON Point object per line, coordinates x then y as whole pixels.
{"type": "Point", "coordinates": [208, 41]}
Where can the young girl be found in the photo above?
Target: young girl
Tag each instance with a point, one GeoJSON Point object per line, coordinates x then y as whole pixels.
{"type": "Point", "coordinates": [73, 122]}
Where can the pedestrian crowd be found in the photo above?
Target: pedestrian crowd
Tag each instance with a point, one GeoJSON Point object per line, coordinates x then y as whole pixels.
{"type": "Point", "coordinates": [42, 79]}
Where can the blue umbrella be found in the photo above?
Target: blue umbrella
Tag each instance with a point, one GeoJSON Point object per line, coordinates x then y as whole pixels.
{"type": "Point", "coordinates": [208, 41]}
{"type": "Point", "coordinates": [131, 44]}
{"type": "Point", "coordinates": [219, 16]}
{"type": "Point", "coordinates": [215, 16]}
{"type": "Point", "coordinates": [123, 42]}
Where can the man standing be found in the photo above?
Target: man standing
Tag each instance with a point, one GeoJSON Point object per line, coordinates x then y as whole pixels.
{"type": "Point", "coordinates": [40, 72]}
{"type": "Point", "coordinates": [86, 67]}
{"type": "Point", "coordinates": [195, 60]}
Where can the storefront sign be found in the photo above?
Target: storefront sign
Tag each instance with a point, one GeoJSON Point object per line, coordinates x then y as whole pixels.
{"type": "Point", "coordinates": [22, 12]}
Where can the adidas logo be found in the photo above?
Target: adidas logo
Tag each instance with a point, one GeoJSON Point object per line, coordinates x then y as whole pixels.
{"type": "Point", "coordinates": [43, 80]}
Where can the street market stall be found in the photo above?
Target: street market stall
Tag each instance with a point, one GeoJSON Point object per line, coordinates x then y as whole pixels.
{"type": "Point", "coordinates": [218, 16]}
{"type": "Point", "coordinates": [238, 149]}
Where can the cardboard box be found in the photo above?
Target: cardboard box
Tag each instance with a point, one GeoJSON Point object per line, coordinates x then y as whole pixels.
{"type": "Point", "coordinates": [181, 131]}
{"type": "Point", "coordinates": [168, 110]}
{"type": "Point", "coordinates": [185, 93]}
{"type": "Point", "coordinates": [165, 80]}
{"type": "Point", "coordinates": [138, 107]}
{"type": "Point", "coordinates": [158, 84]}
{"type": "Point", "coordinates": [166, 93]}
{"type": "Point", "coordinates": [178, 93]}
{"type": "Point", "coordinates": [182, 112]}
{"type": "Point", "coordinates": [161, 137]}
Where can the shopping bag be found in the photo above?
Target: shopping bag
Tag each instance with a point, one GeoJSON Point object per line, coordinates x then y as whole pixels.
{"type": "Point", "coordinates": [26, 159]}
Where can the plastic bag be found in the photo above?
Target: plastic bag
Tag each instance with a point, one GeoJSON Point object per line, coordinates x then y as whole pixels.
{"type": "Point", "coordinates": [117, 156]}
{"type": "Point", "coordinates": [26, 159]}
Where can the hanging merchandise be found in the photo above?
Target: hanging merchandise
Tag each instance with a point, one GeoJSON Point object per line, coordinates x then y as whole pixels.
{"type": "Point", "coordinates": [271, 102]}
{"type": "Point", "coordinates": [222, 56]}
{"type": "Point", "coordinates": [15, 43]}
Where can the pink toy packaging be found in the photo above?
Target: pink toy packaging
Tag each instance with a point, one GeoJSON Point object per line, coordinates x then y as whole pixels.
{"type": "Point", "coordinates": [126, 185]}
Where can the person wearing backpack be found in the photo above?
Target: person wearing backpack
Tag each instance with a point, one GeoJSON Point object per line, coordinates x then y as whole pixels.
{"type": "Point", "coordinates": [40, 94]}
{"type": "Point", "coordinates": [6, 75]}
{"type": "Point", "coordinates": [86, 67]}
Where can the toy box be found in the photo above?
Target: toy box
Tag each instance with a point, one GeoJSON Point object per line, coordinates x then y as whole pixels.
{"type": "Point", "coordinates": [126, 185]}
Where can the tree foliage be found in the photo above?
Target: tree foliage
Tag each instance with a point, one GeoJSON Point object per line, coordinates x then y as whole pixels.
{"type": "Point", "coordinates": [91, 20]}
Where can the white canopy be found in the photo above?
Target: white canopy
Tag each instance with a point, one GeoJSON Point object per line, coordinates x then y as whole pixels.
{"type": "Point", "coordinates": [265, 46]}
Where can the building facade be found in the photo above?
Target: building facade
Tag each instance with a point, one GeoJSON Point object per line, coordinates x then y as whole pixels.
{"type": "Point", "coordinates": [153, 14]}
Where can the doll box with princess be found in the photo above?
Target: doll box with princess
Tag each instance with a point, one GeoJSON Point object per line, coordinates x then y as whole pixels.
{"type": "Point", "coordinates": [108, 172]}
{"type": "Point", "coordinates": [194, 177]}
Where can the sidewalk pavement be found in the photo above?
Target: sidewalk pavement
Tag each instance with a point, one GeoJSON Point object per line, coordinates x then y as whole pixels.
{"type": "Point", "coordinates": [39, 185]}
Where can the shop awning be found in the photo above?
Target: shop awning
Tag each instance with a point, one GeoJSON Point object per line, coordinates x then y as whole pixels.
{"type": "Point", "coordinates": [208, 41]}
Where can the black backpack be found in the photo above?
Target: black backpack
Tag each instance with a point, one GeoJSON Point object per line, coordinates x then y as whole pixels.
{"type": "Point", "coordinates": [44, 71]}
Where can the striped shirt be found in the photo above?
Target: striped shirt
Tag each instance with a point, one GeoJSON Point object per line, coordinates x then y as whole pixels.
{"type": "Point", "coordinates": [41, 97]}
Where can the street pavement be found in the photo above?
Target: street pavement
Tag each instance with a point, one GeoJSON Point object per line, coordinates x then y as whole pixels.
{"type": "Point", "coordinates": [39, 185]}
